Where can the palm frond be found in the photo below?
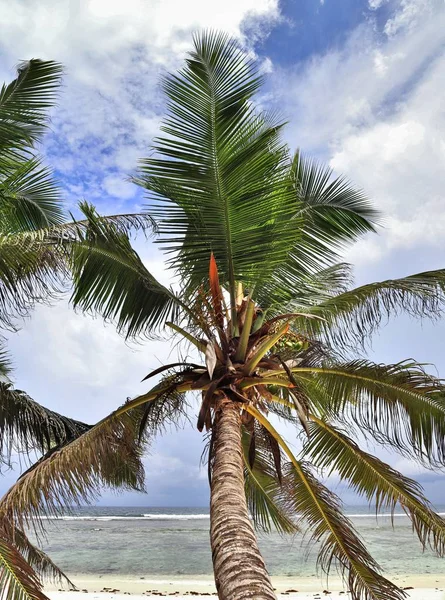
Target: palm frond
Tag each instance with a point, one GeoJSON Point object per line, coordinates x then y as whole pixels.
{"type": "Point", "coordinates": [320, 509]}
{"type": "Point", "coordinates": [167, 408]}
{"type": "Point", "coordinates": [110, 279]}
{"type": "Point", "coordinates": [24, 104]}
{"type": "Point", "coordinates": [30, 272]}
{"type": "Point", "coordinates": [267, 503]}
{"type": "Point", "coordinates": [27, 426]}
{"type": "Point", "coordinates": [331, 449]}
{"type": "Point", "coordinates": [5, 364]}
{"type": "Point", "coordinates": [309, 289]}
{"type": "Point", "coordinates": [34, 264]}
{"type": "Point", "coordinates": [30, 198]}
{"type": "Point", "coordinates": [351, 317]}
{"type": "Point", "coordinates": [336, 213]}
{"type": "Point", "coordinates": [218, 181]}
{"type": "Point", "coordinates": [340, 544]}
{"type": "Point", "coordinates": [328, 215]}
{"type": "Point", "coordinates": [18, 580]}
{"type": "Point", "coordinates": [398, 404]}
{"type": "Point", "coordinates": [107, 455]}
{"type": "Point", "coordinates": [34, 556]}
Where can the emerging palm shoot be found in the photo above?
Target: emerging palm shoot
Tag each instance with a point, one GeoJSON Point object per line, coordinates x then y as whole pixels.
{"type": "Point", "coordinates": [255, 235]}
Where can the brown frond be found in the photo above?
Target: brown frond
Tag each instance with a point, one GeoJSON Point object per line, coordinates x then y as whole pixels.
{"type": "Point", "coordinates": [18, 580]}
{"type": "Point", "coordinates": [34, 556]}
{"type": "Point", "coordinates": [27, 426]}
{"type": "Point", "coordinates": [107, 455]}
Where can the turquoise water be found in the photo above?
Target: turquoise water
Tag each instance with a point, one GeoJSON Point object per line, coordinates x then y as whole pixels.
{"type": "Point", "coordinates": [175, 541]}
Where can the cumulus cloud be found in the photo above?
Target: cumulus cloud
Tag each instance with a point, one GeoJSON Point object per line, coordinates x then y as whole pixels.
{"type": "Point", "coordinates": [375, 4]}
{"type": "Point", "coordinates": [113, 53]}
{"type": "Point", "coordinates": [372, 109]}
{"type": "Point", "coordinates": [409, 16]}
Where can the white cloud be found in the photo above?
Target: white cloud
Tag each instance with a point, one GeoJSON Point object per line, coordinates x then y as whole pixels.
{"type": "Point", "coordinates": [375, 4]}
{"type": "Point", "coordinates": [118, 188]}
{"type": "Point", "coordinates": [79, 366]}
{"type": "Point", "coordinates": [374, 110]}
{"type": "Point", "coordinates": [114, 53]}
{"type": "Point", "coordinates": [408, 16]}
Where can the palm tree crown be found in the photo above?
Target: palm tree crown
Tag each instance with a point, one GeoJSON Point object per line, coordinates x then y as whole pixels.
{"type": "Point", "coordinates": [255, 234]}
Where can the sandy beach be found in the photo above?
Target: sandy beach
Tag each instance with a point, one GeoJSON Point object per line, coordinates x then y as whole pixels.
{"type": "Point", "coordinates": [424, 587]}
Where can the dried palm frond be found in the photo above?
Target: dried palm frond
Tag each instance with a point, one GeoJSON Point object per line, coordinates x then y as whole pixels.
{"type": "Point", "coordinates": [107, 455]}
{"type": "Point", "coordinates": [18, 580]}
{"type": "Point", "coordinates": [34, 556]}
{"type": "Point", "coordinates": [27, 426]}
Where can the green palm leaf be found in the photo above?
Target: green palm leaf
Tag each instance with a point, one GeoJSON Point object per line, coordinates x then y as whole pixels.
{"type": "Point", "coordinates": [34, 265]}
{"type": "Point", "coordinates": [266, 499]}
{"type": "Point", "coordinates": [340, 544]}
{"type": "Point", "coordinates": [349, 318]}
{"type": "Point", "coordinates": [24, 104]}
{"type": "Point", "coordinates": [320, 509]}
{"type": "Point", "coordinates": [29, 197]}
{"type": "Point", "coordinates": [110, 279]}
{"type": "Point", "coordinates": [328, 214]}
{"type": "Point", "coordinates": [5, 365]}
{"type": "Point", "coordinates": [18, 580]}
{"type": "Point", "coordinates": [398, 404]}
{"type": "Point", "coordinates": [329, 448]}
{"type": "Point", "coordinates": [30, 271]}
{"type": "Point", "coordinates": [218, 181]}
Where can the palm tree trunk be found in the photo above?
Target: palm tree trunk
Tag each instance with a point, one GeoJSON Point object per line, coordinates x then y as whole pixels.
{"type": "Point", "coordinates": [239, 568]}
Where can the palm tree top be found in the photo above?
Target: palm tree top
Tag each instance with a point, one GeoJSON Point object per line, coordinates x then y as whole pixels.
{"type": "Point", "coordinates": [255, 234]}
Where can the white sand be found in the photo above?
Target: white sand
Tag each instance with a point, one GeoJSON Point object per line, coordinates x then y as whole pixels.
{"type": "Point", "coordinates": [425, 587]}
{"type": "Point", "coordinates": [417, 594]}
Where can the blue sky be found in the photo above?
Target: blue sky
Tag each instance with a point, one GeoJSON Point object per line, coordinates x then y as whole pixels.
{"type": "Point", "coordinates": [360, 83]}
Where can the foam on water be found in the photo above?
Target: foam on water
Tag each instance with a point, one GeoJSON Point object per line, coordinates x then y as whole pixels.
{"type": "Point", "coordinates": [193, 517]}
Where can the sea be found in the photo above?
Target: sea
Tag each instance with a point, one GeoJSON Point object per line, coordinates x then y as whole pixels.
{"type": "Point", "coordinates": [147, 542]}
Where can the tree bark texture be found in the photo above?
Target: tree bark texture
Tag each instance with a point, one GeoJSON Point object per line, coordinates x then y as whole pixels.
{"type": "Point", "coordinates": [239, 568]}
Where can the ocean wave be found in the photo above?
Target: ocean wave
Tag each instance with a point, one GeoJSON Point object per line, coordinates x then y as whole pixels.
{"type": "Point", "coordinates": [189, 517]}
{"type": "Point", "coordinates": [167, 517]}
{"type": "Point", "coordinates": [143, 517]}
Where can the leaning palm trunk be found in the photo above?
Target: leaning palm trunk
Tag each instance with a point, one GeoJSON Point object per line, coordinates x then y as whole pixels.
{"type": "Point", "coordinates": [239, 568]}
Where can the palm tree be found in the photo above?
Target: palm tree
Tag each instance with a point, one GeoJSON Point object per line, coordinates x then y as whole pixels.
{"type": "Point", "coordinates": [255, 236]}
